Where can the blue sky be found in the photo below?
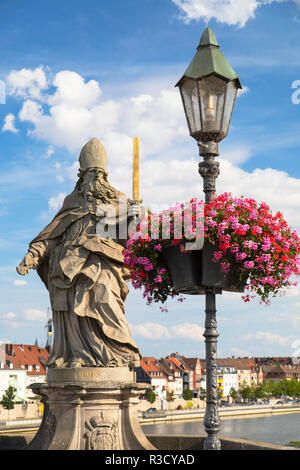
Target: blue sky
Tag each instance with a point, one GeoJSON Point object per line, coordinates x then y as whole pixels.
{"type": "Point", "coordinates": [74, 70]}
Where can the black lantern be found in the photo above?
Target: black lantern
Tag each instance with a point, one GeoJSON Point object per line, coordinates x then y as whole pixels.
{"type": "Point", "coordinates": [208, 90]}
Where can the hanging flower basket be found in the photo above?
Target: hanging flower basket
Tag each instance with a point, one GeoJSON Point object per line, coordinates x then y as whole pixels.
{"type": "Point", "coordinates": [193, 271]}
{"type": "Point", "coordinates": [238, 244]}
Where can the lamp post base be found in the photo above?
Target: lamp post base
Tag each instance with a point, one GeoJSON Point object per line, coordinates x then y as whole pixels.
{"type": "Point", "coordinates": [90, 409]}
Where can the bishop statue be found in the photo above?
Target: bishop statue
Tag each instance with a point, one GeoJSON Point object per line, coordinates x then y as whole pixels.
{"type": "Point", "coordinates": [83, 270]}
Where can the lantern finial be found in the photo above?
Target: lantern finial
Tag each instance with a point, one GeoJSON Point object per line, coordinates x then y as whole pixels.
{"type": "Point", "coordinates": [208, 38]}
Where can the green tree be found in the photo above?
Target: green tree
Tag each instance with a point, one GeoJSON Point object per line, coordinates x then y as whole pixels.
{"type": "Point", "coordinates": [259, 392]}
{"type": "Point", "coordinates": [246, 392]}
{"type": "Point", "coordinates": [150, 395]}
{"type": "Point", "coordinates": [170, 396]}
{"type": "Point", "coordinates": [282, 387]}
{"type": "Point", "coordinates": [268, 388]}
{"type": "Point", "coordinates": [7, 400]}
{"type": "Point", "coordinates": [292, 387]}
{"type": "Point", "coordinates": [187, 394]}
{"type": "Point", "coordinates": [202, 394]}
{"type": "Point", "coordinates": [233, 393]}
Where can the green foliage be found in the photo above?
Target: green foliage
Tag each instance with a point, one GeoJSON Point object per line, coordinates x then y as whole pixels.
{"type": "Point", "coordinates": [187, 394]}
{"type": "Point", "coordinates": [202, 394]}
{"type": "Point", "coordinates": [150, 395]}
{"type": "Point", "coordinates": [270, 388]}
{"type": "Point", "coordinates": [294, 444]}
{"type": "Point", "coordinates": [170, 396]}
{"type": "Point", "coordinates": [246, 392]}
{"type": "Point", "coordinates": [259, 392]}
{"type": "Point", "coordinates": [233, 393]}
{"type": "Point", "coordinates": [7, 400]}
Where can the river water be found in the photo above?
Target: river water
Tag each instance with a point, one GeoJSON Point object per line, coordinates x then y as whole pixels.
{"type": "Point", "coordinates": [273, 429]}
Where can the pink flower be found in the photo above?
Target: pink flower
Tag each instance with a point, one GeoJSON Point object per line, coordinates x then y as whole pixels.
{"type": "Point", "coordinates": [249, 264]}
{"type": "Point", "coordinates": [218, 255]}
{"type": "Point", "coordinates": [240, 256]}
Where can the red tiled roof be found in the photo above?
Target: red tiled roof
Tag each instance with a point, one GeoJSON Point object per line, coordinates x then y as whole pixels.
{"type": "Point", "coordinates": [238, 363]}
{"type": "Point", "coordinates": [24, 355]}
{"type": "Point", "coordinates": [191, 362]}
{"type": "Point", "coordinates": [150, 366]}
{"type": "Point", "coordinates": [176, 362]}
{"type": "Point", "coordinates": [185, 362]}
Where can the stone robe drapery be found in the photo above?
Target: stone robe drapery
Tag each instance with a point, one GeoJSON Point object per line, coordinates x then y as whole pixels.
{"type": "Point", "coordinates": [86, 280]}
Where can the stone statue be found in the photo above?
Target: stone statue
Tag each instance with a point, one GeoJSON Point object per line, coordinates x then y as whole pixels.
{"type": "Point", "coordinates": [84, 271]}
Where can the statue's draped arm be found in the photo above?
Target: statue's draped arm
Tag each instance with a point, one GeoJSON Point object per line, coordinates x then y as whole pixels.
{"type": "Point", "coordinates": [37, 253]}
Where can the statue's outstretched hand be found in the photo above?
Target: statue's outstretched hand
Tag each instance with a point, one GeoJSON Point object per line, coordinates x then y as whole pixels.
{"type": "Point", "coordinates": [135, 209]}
{"type": "Point", "coordinates": [26, 264]}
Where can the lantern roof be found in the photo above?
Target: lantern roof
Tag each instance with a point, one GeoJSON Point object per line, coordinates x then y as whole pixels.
{"type": "Point", "coordinates": [210, 60]}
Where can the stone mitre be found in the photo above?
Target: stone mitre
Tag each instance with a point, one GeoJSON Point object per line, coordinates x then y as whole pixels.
{"type": "Point", "coordinates": [93, 155]}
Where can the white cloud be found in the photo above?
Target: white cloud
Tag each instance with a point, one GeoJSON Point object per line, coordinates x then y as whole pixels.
{"type": "Point", "coordinates": [242, 91]}
{"type": "Point", "coordinates": [9, 124]}
{"type": "Point", "coordinates": [60, 178]}
{"type": "Point", "coordinates": [190, 331]}
{"type": "Point", "coordinates": [27, 83]}
{"type": "Point", "coordinates": [239, 352]}
{"type": "Point", "coordinates": [9, 320]}
{"type": "Point", "coordinates": [72, 90]}
{"type": "Point", "coordinates": [9, 316]}
{"type": "Point", "coordinates": [236, 154]}
{"type": "Point", "coordinates": [231, 12]}
{"type": "Point", "coordinates": [154, 331]}
{"type": "Point", "coordinates": [32, 314]}
{"type": "Point", "coordinates": [74, 113]}
{"type": "Point", "coordinates": [72, 171]}
{"type": "Point", "coordinates": [49, 152]}
{"type": "Point", "coordinates": [150, 330]}
{"type": "Point", "coordinates": [19, 282]}
{"type": "Point", "coordinates": [55, 203]}
{"type": "Point", "coordinates": [269, 337]}
{"type": "Point", "coordinates": [31, 111]}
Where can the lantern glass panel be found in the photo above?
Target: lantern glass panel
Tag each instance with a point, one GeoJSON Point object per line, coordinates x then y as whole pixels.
{"type": "Point", "coordinates": [229, 104]}
{"type": "Point", "coordinates": [212, 92]}
{"type": "Point", "coordinates": [190, 98]}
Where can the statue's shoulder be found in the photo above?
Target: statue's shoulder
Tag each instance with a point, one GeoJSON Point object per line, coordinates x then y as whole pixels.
{"type": "Point", "coordinates": [121, 196]}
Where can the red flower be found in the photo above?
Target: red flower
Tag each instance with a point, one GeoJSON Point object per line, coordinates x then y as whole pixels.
{"type": "Point", "coordinates": [240, 231]}
{"type": "Point", "coordinates": [224, 246]}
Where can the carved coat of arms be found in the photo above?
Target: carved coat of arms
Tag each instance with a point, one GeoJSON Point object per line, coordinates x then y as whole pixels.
{"type": "Point", "coordinates": [102, 433]}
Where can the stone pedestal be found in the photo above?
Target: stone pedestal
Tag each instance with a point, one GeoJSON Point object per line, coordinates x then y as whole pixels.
{"type": "Point", "coordinates": [90, 409]}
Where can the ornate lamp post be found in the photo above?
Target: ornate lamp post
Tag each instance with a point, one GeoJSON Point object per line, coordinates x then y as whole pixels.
{"type": "Point", "coordinates": [208, 90]}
